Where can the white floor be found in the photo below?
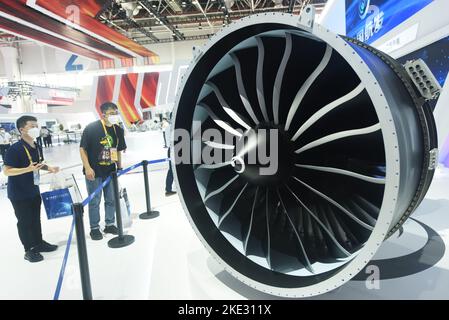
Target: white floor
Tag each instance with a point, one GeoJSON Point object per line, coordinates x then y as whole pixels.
{"type": "Point", "coordinates": [167, 261]}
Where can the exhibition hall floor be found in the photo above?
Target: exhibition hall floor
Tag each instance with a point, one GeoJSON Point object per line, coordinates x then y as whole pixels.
{"type": "Point", "coordinates": [167, 261]}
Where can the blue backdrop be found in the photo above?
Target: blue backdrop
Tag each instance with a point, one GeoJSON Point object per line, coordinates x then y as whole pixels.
{"type": "Point", "coordinates": [368, 20]}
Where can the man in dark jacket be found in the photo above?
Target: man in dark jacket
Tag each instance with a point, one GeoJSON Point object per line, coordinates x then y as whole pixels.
{"type": "Point", "coordinates": [23, 161]}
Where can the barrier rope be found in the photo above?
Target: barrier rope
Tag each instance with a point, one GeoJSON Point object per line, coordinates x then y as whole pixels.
{"type": "Point", "coordinates": [84, 203]}
{"type": "Point", "coordinates": [64, 262]}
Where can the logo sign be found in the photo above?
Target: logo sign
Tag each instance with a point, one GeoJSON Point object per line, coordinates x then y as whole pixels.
{"type": "Point", "coordinates": [368, 20]}
{"type": "Point", "coordinates": [71, 66]}
{"type": "Point", "coordinates": [363, 8]}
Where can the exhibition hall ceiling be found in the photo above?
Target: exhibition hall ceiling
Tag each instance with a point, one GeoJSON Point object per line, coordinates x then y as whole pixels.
{"type": "Point", "coordinates": [120, 29]}
{"type": "Point", "coordinates": [174, 20]}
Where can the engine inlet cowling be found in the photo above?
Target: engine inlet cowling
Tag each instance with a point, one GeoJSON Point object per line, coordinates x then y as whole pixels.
{"type": "Point", "coordinates": [353, 139]}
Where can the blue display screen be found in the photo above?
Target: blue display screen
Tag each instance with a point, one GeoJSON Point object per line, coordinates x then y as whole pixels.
{"type": "Point", "coordinates": [368, 20]}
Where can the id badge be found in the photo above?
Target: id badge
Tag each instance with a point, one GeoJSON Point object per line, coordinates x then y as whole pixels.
{"type": "Point", "coordinates": [36, 178]}
{"type": "Point", "coordinates": [114, 154]}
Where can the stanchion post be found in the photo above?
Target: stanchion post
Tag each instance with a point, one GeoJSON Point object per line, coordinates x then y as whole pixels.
{"type": "Point", "coordinates": [121, 240]}
{"type": "Point", "coordinates": [78, 212]}
{"type": "Point", "coordinates": [149, 214]}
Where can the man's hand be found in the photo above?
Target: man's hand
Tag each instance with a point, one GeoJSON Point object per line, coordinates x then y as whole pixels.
{"type": "Point", "coordinates": [90, 174]}
{"type": "Point", "coordinates": [53, 169]}
{"type": "Point", "coordinates": [35, 167]}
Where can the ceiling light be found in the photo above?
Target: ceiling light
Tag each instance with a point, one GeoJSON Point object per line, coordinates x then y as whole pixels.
{"type": "Point", "coordinates": [132, 9]}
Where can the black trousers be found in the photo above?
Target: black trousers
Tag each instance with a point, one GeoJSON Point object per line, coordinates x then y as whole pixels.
{"type": "Point", "coordinates": [165, 139]}
{"type": "Point", "coordinates": [169, 178]}
{"type": "Point", "coordinates": [3, 149]}
{"type": "Point", "coordinates": [28, 213]}
{"type": "Point", "coordinates": [39, 141]}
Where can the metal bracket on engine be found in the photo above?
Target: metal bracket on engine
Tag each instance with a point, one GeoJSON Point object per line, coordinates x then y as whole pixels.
{"type": "Point", "coordinates": [307, 17]}
{"type": "Point", "coordinates": [197, 53]}
{"type": "Point", "coordinates": [433, 159]}
{"type": "Point", "coordinates": [423, 78]}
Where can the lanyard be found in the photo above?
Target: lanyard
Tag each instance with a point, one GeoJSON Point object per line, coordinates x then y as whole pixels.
{"type": "Point", "coordinates": [106, 133]}
{"type": "Point", "coordinates": [29, 155]}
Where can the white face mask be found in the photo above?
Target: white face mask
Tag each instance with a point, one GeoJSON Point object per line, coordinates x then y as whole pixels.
{"type": "Point", "coordinates": [34, 133]}
{"type": "Point", "coordinates": [114, 119]}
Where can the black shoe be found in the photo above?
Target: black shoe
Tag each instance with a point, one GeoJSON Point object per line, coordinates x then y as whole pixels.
{"type": "Point", "coordinates": [170, 193]}
{"type": "Point", "coordinates": [33, 256]}
{"type": "Point", "coordinates": [111, 230]}
{"type": "Point", "coordinates": [45, 247]}
{"type": "Point", "coordinates": [96, 235]}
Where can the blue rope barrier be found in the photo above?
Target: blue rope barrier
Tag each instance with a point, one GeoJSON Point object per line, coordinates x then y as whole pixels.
{"type": "Point", "coordinates": [98, 190]}
{"type": "Point", "coordinates": [84, 203]}
{"type": "Point", "coordinates": [158, 161]}
{"type": "Point", "coordinates": [64, 262]}
{"type": "Point", "coordinates": [125, 171]}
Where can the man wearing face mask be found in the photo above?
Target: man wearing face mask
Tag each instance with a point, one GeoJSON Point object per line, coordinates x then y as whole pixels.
{"type": "Point", "coordinates": [101, 146]}
{"type": "Point", "coordinates": [23, 161]}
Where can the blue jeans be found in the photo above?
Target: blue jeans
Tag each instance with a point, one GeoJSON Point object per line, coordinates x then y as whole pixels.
{"type": "Point", "coordinates": [94, 205]}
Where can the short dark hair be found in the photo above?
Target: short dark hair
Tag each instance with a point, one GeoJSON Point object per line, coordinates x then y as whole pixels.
{"type": "Point", "coordinates": [22, 121]}
{"type": "Point", "coordinates": [107, 106]}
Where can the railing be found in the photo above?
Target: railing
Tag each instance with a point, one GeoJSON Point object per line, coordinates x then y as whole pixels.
{"type": "Point", "coordinates": [120, 241]}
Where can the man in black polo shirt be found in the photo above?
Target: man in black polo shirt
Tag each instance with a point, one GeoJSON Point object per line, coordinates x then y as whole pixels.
{"type": "Point", "coordinates": [23, 161]}
{"type": "Point", "coordinates": [100, 149]}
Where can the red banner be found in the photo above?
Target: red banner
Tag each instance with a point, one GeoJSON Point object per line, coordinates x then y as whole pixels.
{"type": "Point", "coordinates": [105, 91]}
{"type": "Point", "coordinates": [149, 90]}
{"type": "Point", "coordinates": [131, 97]}
{"type": "Point", "coordinates": [127, 97]}
{"type": "Point", "coordinates": [88, 9]}
{"type": "Point", "coordinates": [29, 33]}
{"type": "Point", "coordinates": [18, 10]}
